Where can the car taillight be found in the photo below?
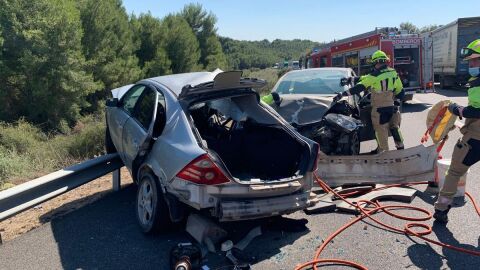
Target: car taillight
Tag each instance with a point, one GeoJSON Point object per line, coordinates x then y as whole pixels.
{"type": "Point", "coordinates": [203, 170]}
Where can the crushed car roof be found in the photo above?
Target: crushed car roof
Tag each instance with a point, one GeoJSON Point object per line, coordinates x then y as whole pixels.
{"type": "Point", "coordinates": [176, 82]}
{"type": "Point", "coordinates": [198, 82]}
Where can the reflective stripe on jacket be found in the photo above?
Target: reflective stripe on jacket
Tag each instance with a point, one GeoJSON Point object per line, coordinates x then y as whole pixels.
{"type": "Point", "coordinates": [472, 125]}
{"type": "Point", "coordinates": [384, 84]}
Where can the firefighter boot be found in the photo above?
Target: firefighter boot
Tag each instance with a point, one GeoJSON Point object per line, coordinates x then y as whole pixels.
{"type": "Point", "coordinates": [441, 216]}
{"type": "Point", "coordinates": [397, 138]}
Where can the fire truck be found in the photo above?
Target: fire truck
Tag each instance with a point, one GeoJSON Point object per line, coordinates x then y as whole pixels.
{"type": "Point", "coordinates": [404, 51]}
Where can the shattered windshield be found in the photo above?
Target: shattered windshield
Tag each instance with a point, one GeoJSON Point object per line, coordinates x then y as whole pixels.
{"type": "Point", "coordinates": [320, 81]}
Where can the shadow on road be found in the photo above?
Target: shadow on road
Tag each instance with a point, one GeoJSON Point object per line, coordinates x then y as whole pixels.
{"type": "Point", "coordinates": [430, 197]}
{"type": "Point", "coordinates": [452, 93]}
{"type": "Point", "coordinates": [415, 107]}
{"type": "Point", "coordinates": [425, 257]}
{"type": "Point", "coordinates": [455, 259]}
{"type": "Point", "coordinates": [105, 235]}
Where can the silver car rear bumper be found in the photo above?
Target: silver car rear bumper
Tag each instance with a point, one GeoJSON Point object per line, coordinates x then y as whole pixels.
{"type": "Point", "coordinates": [233, 210]}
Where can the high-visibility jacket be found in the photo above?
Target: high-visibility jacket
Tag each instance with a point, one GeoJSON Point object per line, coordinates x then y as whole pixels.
{"type": "Point", "coordinates": [384, 84]}
{"type": "Point", "coordinates": [268, 99]}
{"type": "Point", "coordinates": [472, 112]}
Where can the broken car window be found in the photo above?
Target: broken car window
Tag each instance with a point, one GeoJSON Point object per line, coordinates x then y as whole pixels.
{"type": "Point", "coordinates": [145, 107]}
{"type": "Point", "coordinates": [130, 98]}
{"type": "Point", "coordinates": [324, 82]}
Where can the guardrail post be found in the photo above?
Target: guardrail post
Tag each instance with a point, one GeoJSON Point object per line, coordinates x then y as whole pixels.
{"type": "Point", "coordinates": [116, 180]}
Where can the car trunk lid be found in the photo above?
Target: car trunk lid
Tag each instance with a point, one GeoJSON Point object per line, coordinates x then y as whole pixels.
{"type": "Point", "coordinates": [230, 81]}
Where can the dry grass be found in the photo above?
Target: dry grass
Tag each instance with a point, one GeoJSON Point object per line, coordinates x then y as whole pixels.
{"type": "Point", "coordinates": [268, 74]}
{"type": "Point", "coordinates": [27, 152]}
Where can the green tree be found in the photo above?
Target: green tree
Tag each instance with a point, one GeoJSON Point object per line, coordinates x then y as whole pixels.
{"type": "Point", "coordinates": [203, 25]}
{"type": "Point", "coordinates": [409, 27]}
{"type": "Point", "coordinates": [215, 56]}
{"type": "Point", "coordinates": [43, 78]}
{"type": "Point", "coordinates": [159, 65]}
{"type": "Point", "coordinates": [429, 28]}
{"type": "Point", "coordinates": [150, 33]}
{"type": "Point", "coordinates": [1, 49]}
{"type": "Point", "coordinates": [108, 44]}
{"type": "Point", "coordinates": [181, 45]}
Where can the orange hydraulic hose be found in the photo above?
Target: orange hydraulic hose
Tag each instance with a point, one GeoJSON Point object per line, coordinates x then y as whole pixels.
{"type": "Point", "coordinates": [408, 228]}
{"type": "Point", "coordinates": [473, 202]}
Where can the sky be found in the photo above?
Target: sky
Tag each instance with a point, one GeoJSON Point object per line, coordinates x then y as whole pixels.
{"type": "Point", "coordinates": [319, 20]}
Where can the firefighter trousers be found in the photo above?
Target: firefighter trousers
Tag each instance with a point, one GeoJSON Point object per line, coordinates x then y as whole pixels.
{"type": "Point", "coordinates": [465, 154]}
{"type": "Point", "coordinates": [382, 128]}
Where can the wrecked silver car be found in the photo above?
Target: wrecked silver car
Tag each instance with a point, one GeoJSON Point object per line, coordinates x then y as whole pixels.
{"type": "Point", "coordinates": [204, 141]}
{"type": "Point", "coordinates": [304, 98]}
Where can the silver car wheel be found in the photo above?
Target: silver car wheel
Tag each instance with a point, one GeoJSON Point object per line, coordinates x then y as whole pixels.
{"type": "Point", "coordinates": [146, 203]}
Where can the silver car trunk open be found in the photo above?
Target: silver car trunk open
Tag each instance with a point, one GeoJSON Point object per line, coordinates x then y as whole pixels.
{"type": "Point", "coordinates": [251, 142]}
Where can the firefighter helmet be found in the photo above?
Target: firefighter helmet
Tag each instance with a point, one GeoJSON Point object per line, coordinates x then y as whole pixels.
{"type": "Point", "coordinates": [471, 51]}
{"type": "Point", "coordinates": [379, 57]}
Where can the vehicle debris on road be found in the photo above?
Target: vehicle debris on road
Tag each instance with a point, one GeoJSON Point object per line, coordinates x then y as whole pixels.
{"type": "Point", "coordinates": [185, 256]}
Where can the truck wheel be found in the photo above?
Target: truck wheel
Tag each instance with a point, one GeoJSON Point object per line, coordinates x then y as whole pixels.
{"type": "Point", "coordinates": [442, 82]}
{"type": "Point", "coordinates": [152, 210]}
{"type": "Point", "coordinates": [109, 146]}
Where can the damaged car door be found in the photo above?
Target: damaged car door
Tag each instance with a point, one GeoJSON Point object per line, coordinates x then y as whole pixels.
{"type": "Point", "coordinates": [137, 132]}
{"type": "Point", "coordinates": [119, 113]}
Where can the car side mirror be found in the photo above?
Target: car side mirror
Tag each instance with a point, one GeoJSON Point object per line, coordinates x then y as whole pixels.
{"type": "Point", "coordinates": [112, 102]}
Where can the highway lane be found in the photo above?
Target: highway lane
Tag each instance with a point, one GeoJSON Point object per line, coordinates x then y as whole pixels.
{"type": "Point", "coordinates": [104, 235]}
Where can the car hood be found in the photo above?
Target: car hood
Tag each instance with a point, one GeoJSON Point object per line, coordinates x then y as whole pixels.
{"type": "Point", "coordinates": [303, 109]}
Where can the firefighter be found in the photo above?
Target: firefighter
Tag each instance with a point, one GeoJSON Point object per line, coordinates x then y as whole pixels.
{"type": "Point", "coordinates": [467, 150]}
{"type": "Point", "coordinates": [272, 98]}
{"type": "Point", "coordinates": [385, 87]}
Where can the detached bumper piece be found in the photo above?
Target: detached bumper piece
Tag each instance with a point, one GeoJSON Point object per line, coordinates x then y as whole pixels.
{"type": "Point", "coordinates": [391, 167]}
{"type": "Point", "coordinates": [253, 209]}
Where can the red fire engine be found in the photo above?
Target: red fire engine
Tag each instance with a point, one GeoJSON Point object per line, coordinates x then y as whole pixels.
{"type": "Point", "coordinates": [404, 51]}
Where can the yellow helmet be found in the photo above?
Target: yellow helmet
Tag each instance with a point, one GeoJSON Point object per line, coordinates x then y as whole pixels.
{"type": "Point", "coordinates": [379, 57]}
{"type": "Point", "coordinates": [471, 51]}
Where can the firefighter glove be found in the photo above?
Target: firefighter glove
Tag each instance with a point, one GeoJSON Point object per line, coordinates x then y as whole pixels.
{"type": "Point", "coordinates": [340, 95]}
{"type": "Point", "coordinates": [456, 109]}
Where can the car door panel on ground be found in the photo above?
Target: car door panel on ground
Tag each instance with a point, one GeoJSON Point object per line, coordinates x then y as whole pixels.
{"type": "Point", "coordinates": [118, 116]}
{"type": "Point", "coordinates": [137, 131]}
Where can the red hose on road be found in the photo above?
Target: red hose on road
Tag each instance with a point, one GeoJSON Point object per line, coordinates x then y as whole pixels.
{"type": "Point", "coordinates": [408, 228]}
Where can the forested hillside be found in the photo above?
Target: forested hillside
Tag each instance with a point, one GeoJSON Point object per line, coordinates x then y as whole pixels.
{"type": "Point", "coordinates": [60, 58]}
{"type": "Point", "coordinates": [243, 54]}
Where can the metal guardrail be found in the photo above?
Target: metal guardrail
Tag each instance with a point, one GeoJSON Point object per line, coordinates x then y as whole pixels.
{"type": "Point", "coordinates": [22, 197]}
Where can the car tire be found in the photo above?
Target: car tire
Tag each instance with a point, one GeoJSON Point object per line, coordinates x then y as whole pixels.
{"type": "Point", "coordinates": [152, 210]}
{"type": "Point", "coordinates": [109, 146]}
{"type": "Point", "coordinates": [355, 143]}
